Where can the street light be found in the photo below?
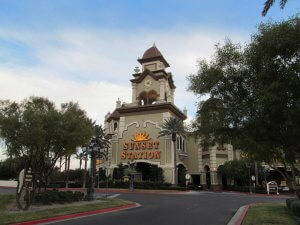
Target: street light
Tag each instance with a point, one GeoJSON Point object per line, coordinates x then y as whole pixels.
{"type": "Point", "coordinates": [91, 190]}
{"type": "Point", "coordinates": [132, 165]}
{"type": "Point", "coordinates": [248, 165]}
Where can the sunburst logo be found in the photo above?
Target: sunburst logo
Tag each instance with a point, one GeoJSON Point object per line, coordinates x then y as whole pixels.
{"type": "Point", "coordinates": [141, 136]}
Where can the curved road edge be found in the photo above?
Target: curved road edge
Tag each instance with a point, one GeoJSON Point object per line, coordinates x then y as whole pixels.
{"type": "Point", "coordinates": [239, 216]}
{"type": "Point", "coordinates": [80, 215]}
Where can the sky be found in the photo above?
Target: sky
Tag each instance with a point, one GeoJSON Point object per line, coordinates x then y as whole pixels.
{"type": "Point", "coordinates": [86, 50]}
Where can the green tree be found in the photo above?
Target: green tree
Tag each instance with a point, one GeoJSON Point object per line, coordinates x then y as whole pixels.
{"type": "Point", "coordinates": [269, 4]}
{"type": "Point", "coordinates": [255, 93]}
{"type": "Point", "coordinates": [38, 134]}
{"type": "Point", "coordinates": [100, 143]}
{"type": "Point", "coordinates": [173, 127]}
{"type": "Point", "coordinates": [118, 172]}
{"type": "Point", "coordinates": [235, 170]}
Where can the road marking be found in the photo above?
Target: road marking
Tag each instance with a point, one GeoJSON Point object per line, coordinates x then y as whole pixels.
{"type": "Point", "coordinates": [113, 196]}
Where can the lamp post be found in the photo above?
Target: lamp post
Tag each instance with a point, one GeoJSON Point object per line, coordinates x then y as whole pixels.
{"type": "Point", "coordinates": [132, 166]}
{"type": "Point", "coordinates": [248, 165]}
{"type": "Point", "coordinates": [91, 190]}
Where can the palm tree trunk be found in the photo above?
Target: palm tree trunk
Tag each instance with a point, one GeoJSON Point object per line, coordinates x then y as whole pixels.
{"type": "Point", "coordinates": [80, 162]}
{"type": "Point", "coordinates": [68, 159]}
{"type": "Point", "coordinates": [84, 172]}
{"type": "Point", "coordinates": [175, 166]}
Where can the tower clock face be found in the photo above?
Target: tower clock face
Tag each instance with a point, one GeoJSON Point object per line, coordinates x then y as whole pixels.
{"type": "Point", "coordinates": [148, 83]}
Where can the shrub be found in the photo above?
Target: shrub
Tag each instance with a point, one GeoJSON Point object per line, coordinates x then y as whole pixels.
{"type": "Point", "coordinates": [289, 202]}
{"type": "Point", "coordinates": [295, 208]}
{"type": "Point", "coordinates": [298, 193]}
{"type": "Point", "coordinates": [48, 197]}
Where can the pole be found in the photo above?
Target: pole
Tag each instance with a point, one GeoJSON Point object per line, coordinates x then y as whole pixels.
{"type": "Point", "coordinates": [250, 180]}
{"type": "Point", "coordinates": [98, 178]}
{"type": "Point", "coordinates": [106, 182]}
{"type": "Point", "coordinates": [90, 191]}
{"type": "Point", "coordinates": [256, 173]}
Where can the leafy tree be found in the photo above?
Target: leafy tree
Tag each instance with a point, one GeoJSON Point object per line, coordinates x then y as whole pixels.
{"type": "Point", "coordinates": [9, 168]}
{"type": "Point", "coordinates": [99, 144]}
{"type": "Point", "coordinates": [235, 170]}
{"type": "Point", "coordinates": [118, 172]}
{"type": "Point", "coordinates": [254, 95]}
{"type": "Point", "coordinates": [38, 134]}
{"type": "Point", "coordinates": [269, 4]}
{"type": "Point", "coordinates": [173, 126]}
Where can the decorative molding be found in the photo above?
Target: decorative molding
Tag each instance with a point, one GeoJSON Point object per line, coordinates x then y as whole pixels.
{"type": "Point", "coordinates": [126, 128]}
{"type": "Point", "coordinates": [151, 122]}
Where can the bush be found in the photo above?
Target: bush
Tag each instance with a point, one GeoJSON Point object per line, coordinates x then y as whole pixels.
{"type": "Point", "coordinates": [141, 185]}
{"type": "Point", "coordinates": [295, 208]}
{"type": "Point", "coordinates": [289, 202]}
{"type": "Point", "coordinates": [49, 197]}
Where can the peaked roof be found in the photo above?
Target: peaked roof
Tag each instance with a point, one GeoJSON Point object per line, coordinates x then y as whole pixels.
{"type": "Point", "coordinates": [153, 54]}
{"type": "Point", "coordinates": [156, 75]}
{"type": "Point", "coordinates": [114, 116]}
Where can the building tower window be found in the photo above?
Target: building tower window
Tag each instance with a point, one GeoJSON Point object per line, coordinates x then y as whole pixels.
{"type": "Point", "coordinates": [115, 126]}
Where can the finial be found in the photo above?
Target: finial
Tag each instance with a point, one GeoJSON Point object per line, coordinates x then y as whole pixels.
{"type": "Point", "coordinates": [136, 69]}
{"type": "Point", "coordinates": [154, 44]}
{"type": "Point", "coordinates": [185, 111]}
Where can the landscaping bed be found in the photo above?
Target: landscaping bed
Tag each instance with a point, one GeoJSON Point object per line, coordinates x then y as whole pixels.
{"type": "Point", "coordinates": [269, 213]}
{"type": "Point", "coordinates": [9, 214]}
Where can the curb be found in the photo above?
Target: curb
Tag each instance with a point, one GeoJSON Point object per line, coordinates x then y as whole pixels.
{"type": "Point", "coordinates": [79, 215]}
{"type": "Point", "coordinates": [239, 216]}
{"type": "Point", "coordinates": [257, 194]}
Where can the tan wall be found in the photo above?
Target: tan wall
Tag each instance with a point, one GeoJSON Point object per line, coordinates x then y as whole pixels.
{"type": "Point", "coordinates": [192, 151]}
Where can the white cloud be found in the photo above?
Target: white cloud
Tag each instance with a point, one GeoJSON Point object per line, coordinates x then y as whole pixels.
{"type": "Point", "coordinates": [93, 67]}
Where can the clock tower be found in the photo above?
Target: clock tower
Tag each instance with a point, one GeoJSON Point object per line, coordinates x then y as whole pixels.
{"type": "Point", "coordinates": [153, 84]}
{"type": "Point", "coordinates": [134, 127]}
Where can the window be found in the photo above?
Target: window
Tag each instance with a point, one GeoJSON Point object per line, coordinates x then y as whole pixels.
{"type": "Point", "coordinates": [115, 126]}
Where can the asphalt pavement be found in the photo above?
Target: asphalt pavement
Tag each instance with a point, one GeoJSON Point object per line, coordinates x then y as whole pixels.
{"type": "Point", "coordinates": [191, 208]}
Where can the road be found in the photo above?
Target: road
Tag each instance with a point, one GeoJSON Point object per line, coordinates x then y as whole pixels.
{"type": "Point", "coordinates": [206, 208]}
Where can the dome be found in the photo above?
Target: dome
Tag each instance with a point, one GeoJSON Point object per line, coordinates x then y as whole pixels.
{"type": "Point", "coordinates": [153, 54]}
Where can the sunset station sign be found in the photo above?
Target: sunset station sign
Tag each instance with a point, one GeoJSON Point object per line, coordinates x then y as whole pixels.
{"type": "Point", "coordinates": [141, 146]}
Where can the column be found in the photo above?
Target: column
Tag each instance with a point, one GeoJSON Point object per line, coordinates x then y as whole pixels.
{"type": "Point", "coordinates": [161, 90]}
{"type": "Point", "coordinates": [133, 99]}
{"type": "Point", "coordinates": [213, 169]}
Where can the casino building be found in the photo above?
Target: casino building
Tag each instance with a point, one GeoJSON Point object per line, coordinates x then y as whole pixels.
{"type": "Point", "coordinates": [134, 128]}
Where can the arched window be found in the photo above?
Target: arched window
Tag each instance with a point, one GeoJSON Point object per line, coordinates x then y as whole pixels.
{"type": "Point", "coordinates": [115, 126]}
{"type": "Point", "coordinates": [148, 98]}
{"type": "Point", "coordinates": [180, 143]}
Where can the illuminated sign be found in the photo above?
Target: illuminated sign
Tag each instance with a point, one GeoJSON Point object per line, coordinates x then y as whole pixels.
{"type": "Point", "coordinates": [141, 147]}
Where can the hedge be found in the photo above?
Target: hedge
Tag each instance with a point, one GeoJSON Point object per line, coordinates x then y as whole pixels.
{"type": "Point", "coordinates": [293, 205]}
{"type": "Point", "coordinates": [49, 197]}
{"type": "Point", "coordinates": [258, 189]}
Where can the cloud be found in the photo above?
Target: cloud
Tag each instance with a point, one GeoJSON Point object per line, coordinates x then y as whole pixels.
{"type": "Point", "coordinates": [93, 66]}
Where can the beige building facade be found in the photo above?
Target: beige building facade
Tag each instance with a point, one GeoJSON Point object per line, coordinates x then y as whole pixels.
{"type": "Point", "coordinates": [134, 128]}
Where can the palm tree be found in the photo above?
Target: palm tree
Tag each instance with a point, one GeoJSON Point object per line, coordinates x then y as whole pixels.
{"type": "Point", "coordinates": [269, 4]}
{"type": "Point", "coordinates": [101, 143]}
{"type": "Point", "coordinates": [100, 139]}
{"type": "Point", "coordinates": [173, 127]}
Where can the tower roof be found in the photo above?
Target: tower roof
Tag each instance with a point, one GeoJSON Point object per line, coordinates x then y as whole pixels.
{"type": "Point", "coordinates": [153, 54]}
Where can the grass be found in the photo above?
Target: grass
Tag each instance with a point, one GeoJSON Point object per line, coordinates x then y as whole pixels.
{"type": "Point", "coordinates": [11, 217]}
{"type": "Point", "coordinates": [269, 213]}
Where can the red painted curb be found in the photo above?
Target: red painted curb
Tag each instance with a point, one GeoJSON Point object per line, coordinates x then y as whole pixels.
{"type": "Point", "coordinates": [77, 215]}
{"type": "Point", "coordinates": [242, 216]}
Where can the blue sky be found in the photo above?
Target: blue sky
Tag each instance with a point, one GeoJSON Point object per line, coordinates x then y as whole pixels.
{"type": "Point", "coordinates": [86, 50]}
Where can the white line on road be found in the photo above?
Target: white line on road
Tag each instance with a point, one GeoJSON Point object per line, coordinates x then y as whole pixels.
{"type": "Point", "coordinates": [113, 196]}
